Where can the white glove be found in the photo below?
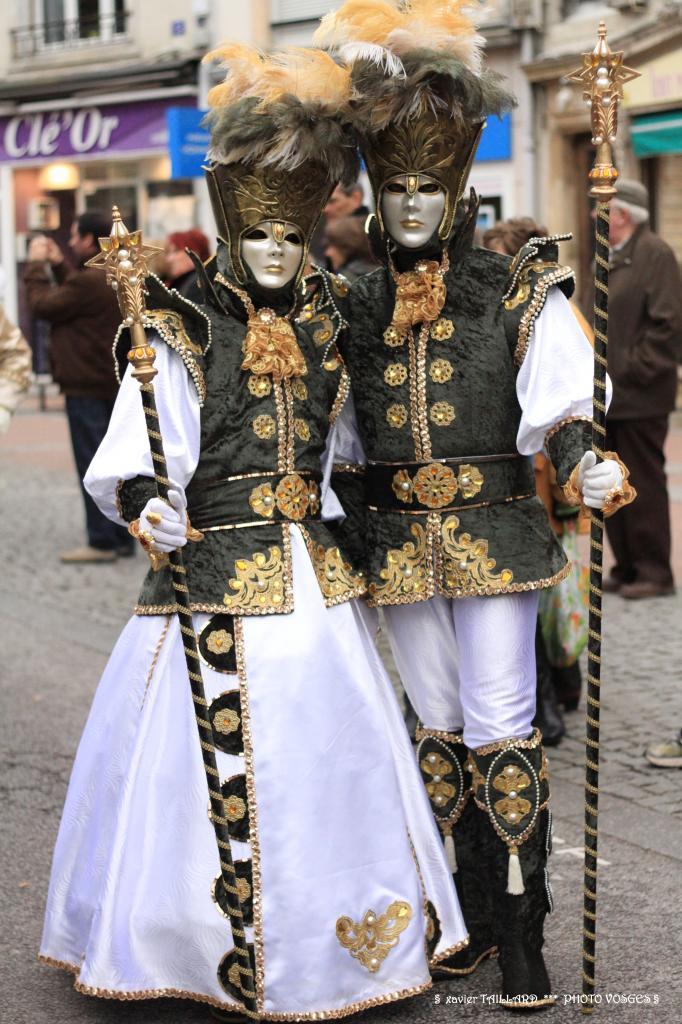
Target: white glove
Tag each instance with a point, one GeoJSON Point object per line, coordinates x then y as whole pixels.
{"type": "Point", "coordinates": [5, 420]}
{"type": "Point", "coordinates": [595, 481]}
{"type": "Point", "coordinates": [170, 532]}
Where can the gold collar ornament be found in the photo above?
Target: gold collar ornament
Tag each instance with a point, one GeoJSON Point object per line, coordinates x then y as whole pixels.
{"type": "Point", "coordinates": [270, 346]}
{"type": "Point", "coordinates": [420, 296]}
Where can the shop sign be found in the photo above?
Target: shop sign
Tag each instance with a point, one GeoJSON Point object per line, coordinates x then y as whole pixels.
{"type": "Point", "coordinates": [188, 141]}
{"type": "Point", "coordinates": [661, 83]}
{"type": "Point", "coordinates": [98, 130]}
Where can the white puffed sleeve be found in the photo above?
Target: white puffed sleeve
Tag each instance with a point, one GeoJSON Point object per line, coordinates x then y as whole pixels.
{"type": "Point", "coordinates": [124, 452]}
{"type": "Point", "coordinates": [343, 446]}
{"type": "Point", "coordinates": [555, 381]}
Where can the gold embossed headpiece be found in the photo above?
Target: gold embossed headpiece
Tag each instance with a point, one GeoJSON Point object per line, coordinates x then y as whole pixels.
{"type": "Point", "coordinates": [420, 92]}
{"type": "Point", "coordinates": [281, 139]}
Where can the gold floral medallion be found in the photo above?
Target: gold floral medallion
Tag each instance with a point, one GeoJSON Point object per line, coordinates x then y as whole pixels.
{"type": "Point", "coordinates": [402, 486]}
{"type": "Point", "coordinates": [292, 496]}
{"type": "Point", "coordinates": [226, 721]}
{"type": "Point", "coordinates": [396, 415]}
{"type": "Point", "coordinates": [435, 485]}
{"type": "Point", "coordinates": [393, 337]}
{"type": "Point", "coordinates": [440, 371]}
{"type": "Point", "coordinates": [301, 429]}
{"type": "Point", "coordinates": [395, 374]}
{"type": "Point", "coordinates": [372, 939]}
{"type": "Point", "coordinates": [264, 426]}
{"type": "Point", "coordinates": [470, 480]}
{"type": "Point", "coordinates": [442, 329]}
{"type": "Point", "coordinates": [235, 808]}
{"type": "Point", "coordinates": [262, 501]}
{"type": "Point", "coordinates": [259, 385]}
{"type": "Point", "coordinates": [442, 414]}
{"type": "Point", "coordinates": [219, 641]}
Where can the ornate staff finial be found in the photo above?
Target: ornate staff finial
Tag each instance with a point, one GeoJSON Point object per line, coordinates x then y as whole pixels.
{"type": "Point", "coordinates": [123, 257]}
{"type": "Point", "coordinates": [603, 76]}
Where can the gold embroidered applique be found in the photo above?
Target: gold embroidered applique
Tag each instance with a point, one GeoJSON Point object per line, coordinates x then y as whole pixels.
{"type": "Point", "coordinates": [226, 721]}
{"type": "Point", "coordinates": [299, 389]}
{"type": "Point", "coordinates": [394, 338]}
{"type": "Point", "coordinates": [307, 312]}
{"type": "Point", "coordinates": [325, 332]}
{"type": "Point", "coordinates": [259, 385]}
{"type": "Point", "coordinates": [512, 807]}
{"type": "Point", "coordinates": [259, 581]}
{"type": "Point", "coordinates": [396, 415]}
{"type": "Point", "coordinates": [292, 496]}
{"type": "Point", "coordinates": [440, 792]}
{"type": "Point", "coordinates": [302, 430]}
{"type": "Point", "coordinates": [219, 641]}
{"type": "Point", "coordinates": [235, 808]}
{"type": "Point", "coordinates": [264, 426]}
{"type": "Point", "coordinates": [442, 329]}
{"type": "Point", "coordinates": [334, 576]}
{"type": "Point", "coordinates": [374, 937]}
{"type": "Point", "coordinates": [440, 371]}
{"type": "Point", "coordinates": [271, 346]}
{"type": "Point", "coordinates": [168, 318]}
{"type": "Point", "coordinates": [262, 501]}
{"type": "Point", "coordinates": [466, 562]}
{"type": "Point", "coordinates": [402, 486]}
{"type": "Point", "coordinates": [406, 570]}
{"type": "Point", "coordinates": [442, 414]}
{"type": "Point", "coordinates": [395, 374]}
{"type": "Point", "coordinates": [435, 485]}
{"type": "Point", "coordinates": [340, 286]}
{"type": "Point", "coordinates": [470, 480]}
{"type": "Point", "coordinates": [313, 498]}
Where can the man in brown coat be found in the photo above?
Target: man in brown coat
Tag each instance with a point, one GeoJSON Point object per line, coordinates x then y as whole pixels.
{"type": "Point", "coordinates": [84, 316]}
{"type": "Point", "coordinates": [645, 342]}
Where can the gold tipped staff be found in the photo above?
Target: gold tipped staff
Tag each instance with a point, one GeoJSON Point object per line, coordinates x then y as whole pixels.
{"type": "Point", "coordinates": [602, 76]}
{"type": "Point", "coordinates": [123, 258]}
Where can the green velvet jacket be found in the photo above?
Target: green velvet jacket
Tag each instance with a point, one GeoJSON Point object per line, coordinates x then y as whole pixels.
{"type": "Point", "coordinates": [451, 505]}
{"type": "Point", "coordinates": [259, 466]}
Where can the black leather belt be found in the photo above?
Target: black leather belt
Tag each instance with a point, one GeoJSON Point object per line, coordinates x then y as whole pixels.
{"type": "Point", "coordinates": [254, 499]}
{"type": "Point", "coordinates": [448, 484]}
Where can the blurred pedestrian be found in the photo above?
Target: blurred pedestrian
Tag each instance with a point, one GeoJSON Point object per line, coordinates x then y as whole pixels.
{"type": "Point", "coordinates": [348, 250]}
{"type": "Point", "coordinates": [15, 367]}
{"type": "Point", "coordinates": [346, 201]}
{"type": "Point", "coordinates": [508, 236]}
{"type": "Point", "coordinates": [645, 340]}
{"type": "Point", "coordinates": [180, 270]}
{"type": "Point", "coordinates": [84, 317]}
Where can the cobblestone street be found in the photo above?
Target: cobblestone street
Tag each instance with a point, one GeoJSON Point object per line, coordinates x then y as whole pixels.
{"type": "Point", "coordinates": [58, 627]}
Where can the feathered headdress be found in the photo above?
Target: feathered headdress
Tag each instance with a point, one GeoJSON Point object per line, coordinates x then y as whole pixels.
{"type": "Point", "coordinates": [281, 139]}
{"type": "Point", "coordinates": [282, 110]}
{"type": "Point", "coordinates": [420, 92]}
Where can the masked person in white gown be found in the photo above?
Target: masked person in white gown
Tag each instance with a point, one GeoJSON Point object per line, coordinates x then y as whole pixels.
{"type": "Point", "coordinates": [345, 891]}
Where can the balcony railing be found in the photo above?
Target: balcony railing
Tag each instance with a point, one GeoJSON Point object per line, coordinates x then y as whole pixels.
{"type": "Point", "coordinates": [62, 35]}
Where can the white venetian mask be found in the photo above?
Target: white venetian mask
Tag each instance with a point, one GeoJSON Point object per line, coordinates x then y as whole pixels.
{"type": "Point", "coordinates": [273, 251]}
{"type": "Point", "coordinates": [412, 207]}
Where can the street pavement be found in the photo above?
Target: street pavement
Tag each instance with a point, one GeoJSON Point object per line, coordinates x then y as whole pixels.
{"type": "Point", "coordinates": [58, 627]}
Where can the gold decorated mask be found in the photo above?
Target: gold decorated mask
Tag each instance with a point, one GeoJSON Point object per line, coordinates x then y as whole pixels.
{"type": "Point", "coordinates": [432, 145]}
{"type": "Point", "coordinates": [244, 195]}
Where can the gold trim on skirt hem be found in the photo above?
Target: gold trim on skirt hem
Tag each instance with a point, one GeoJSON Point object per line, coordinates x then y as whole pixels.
{"type": "Point", "coordinates": [460, 971]}
{"type": "Point", "coordinates": [457, 948]}
{"type": "Point", "coordinates": [174, 993]}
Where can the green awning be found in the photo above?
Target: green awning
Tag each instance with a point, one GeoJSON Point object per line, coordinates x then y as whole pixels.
{"type": "Point", "coordinates": [657, 134]}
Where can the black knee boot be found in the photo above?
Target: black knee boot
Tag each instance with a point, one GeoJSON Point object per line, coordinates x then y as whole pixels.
{"type": "Point", "coordinates": [442, 759]}
{"type": "Point", "coordinates": [511, 786]}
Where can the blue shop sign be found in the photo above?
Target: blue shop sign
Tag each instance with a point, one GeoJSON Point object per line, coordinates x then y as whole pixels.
{"type": "Point", "coordinates": [496, 141]}
{"type": "Point", "coordinates": [187, 141]}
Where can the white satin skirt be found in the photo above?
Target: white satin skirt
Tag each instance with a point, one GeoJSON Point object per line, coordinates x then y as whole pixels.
{"type": "Point", "coordinates": [339, 822]}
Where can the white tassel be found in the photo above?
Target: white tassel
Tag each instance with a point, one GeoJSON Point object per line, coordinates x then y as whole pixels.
{"type": "Point", "coordinates": [514, 877]}
{"type": "Point", "coordinates": [450, 853]}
